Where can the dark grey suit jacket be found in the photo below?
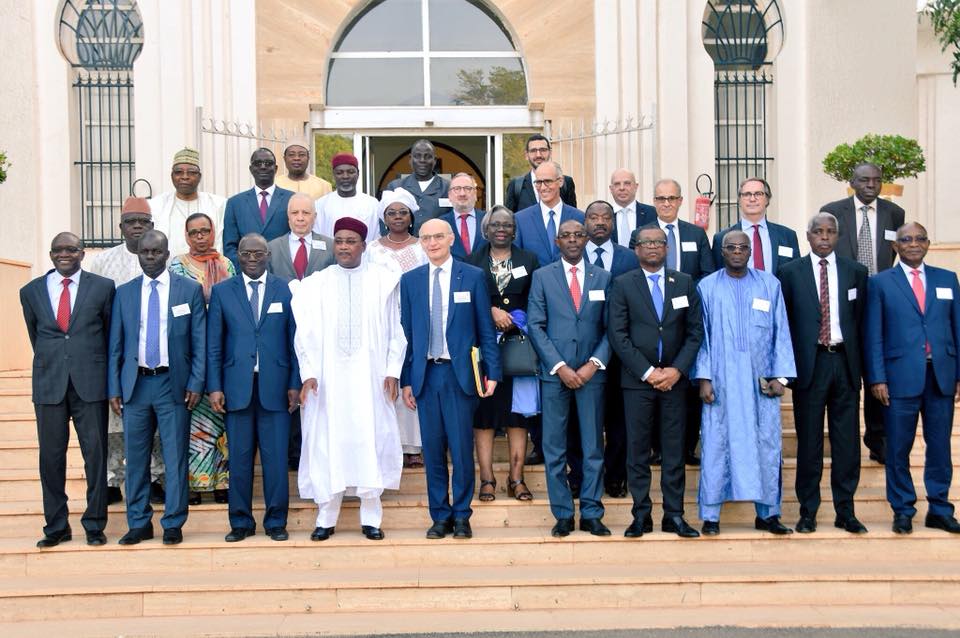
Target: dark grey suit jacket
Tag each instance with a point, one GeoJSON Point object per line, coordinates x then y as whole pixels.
{"type": "Point", "coordinates": [281, 261]}
{"type": "Point", "coordinates": [80, 354]}
{"type": "Point", "coordinates": [889, 217]}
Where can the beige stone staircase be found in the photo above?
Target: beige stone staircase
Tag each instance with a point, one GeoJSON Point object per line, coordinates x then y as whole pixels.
{"type": "Point", "coordinates": [511, 576]}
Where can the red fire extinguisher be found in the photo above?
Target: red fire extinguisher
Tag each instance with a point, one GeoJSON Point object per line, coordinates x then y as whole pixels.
{"type": "Point", "coordinates": [701, 216]}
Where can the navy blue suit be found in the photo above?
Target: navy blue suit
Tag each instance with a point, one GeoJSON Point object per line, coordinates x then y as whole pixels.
{"type": "Point", "coordinates": [560, 333]}
{"type": "Point", "coordinates": [242, 216]}
{"type": "Point", "coordinates": [445, 391]}
{"type": "Point", "coordinates": [532, 233]}
{"type": "Point", "coordinates": [782, 240]}
{"type": "Point", "coordinates": [897, 332]}
{"type": "Point", "coordinates": [256, 402]}
{"type": "Point", "coordinates": [161, 395]}
{"type": "Point", "coordinates": [478, 241]}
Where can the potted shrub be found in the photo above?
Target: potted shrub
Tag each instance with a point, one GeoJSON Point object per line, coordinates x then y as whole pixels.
{"type": "Point", "coordinates": [896, 156]}
{"type": "Point", "coordinates": [4, 165]}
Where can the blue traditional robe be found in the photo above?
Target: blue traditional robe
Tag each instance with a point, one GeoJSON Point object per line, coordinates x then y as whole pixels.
{"type": "Point", "coordinates": [746, 338]}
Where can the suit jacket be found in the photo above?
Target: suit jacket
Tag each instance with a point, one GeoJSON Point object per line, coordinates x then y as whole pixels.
{"type": "Point", "coordinates": [780, 236]}
{"type": "Point", "coordinates": [469, 324]}
{"type": "Point", "coordinates": [520, 193]}
{"type": "Point", "coordinates": [696, 262]}
{"type": "Point", "coordinates": [281, 261]}
{"type": "Point", "coordinates": [78, 356]}
{"type": "Point", "coordinates": [478, 240]}
{"type": "Point", "coordinates": [242, 216]}
{"type": "Point", "coordinates": [186, 338]}
{"type": "Point", "coordinates": [234, 344]}
{"type": "Point", "coordinates": [896, 331]}
{"type": "Point", "coordinates": [646, 215]}
{"type": "Point", "coordinates": [799, 287]}
{"type": "Point", "coordinates": [634, 329]}
{"type": "Point", "coordinates": [532, 234]}
{"type": "Point", "coordinates": [889, 218]}
{"type": "Point", "coordinates": [428, 201]}
{"type": "Point", "coordinates": [514, 296]}
{"type": "Point", "coordinates": [557, 330]}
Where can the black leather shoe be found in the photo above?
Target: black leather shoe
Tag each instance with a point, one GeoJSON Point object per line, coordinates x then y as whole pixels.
{"type": "Point", "coordinates": [710, 528]}
{"type": "Point", "coordinates": [635, 530]}
{"type": "Point", "coordinates": [850, 524]}
{"type": "Point", "coordinates": [595, 526]}
{"type": "Point", "coordinates": [647, 524]}
{"type": "Point", "coordinates": [114, 495]}
{"type": "Point", "coordinates": [440, 529]}
{"type": "Point", "coordinates": [52, 540]}
{"type": "Point", "coordinates": [946, 523]}
{"type": "Point", "coordinates": [371, 532]}
{"type": "Point", "coordinates": [772, 525]}
{"type": "Point", "coordinates": [221, 496]}
{"type": "Point", "coordinates": [96, 538]}
{"type": "Point", "coordinates": [462, 529]}
{"type": "Point", "coordinates": [656, 458]}
{"type": "Point", "coordinates": [277, 533]}
{"type": "Point", "coordinates": [195, 498]}
{"type": "Point", "coordinates": [676, 525]}
{"type": "Point", "coordinates": [172, 536]}
{"type": "Point", "coordinates": [575, 490]}
{"type": "Point", "coordinates": [902, 524]}
{"type": "Point", "coordinates": [322, 533]}
{"type": "Point", "coordinates": [807, 525]}
{"type": "Point", "coordinates": [534, 458]}
{"type": "Point", "coordinates": [136, 535]}
{"type": "Point", "coordinates": [562, 528]}
{"type": "Point", "coordinates": [878, 453]}
{"type": "Point", "coordinates": [616, 489]}
{"type": "Point", "coordinates": [157, 494]}
{"type": "Point", "coordinates": [692, 460]}
{"type": "Point", "coordinates": [237, 534]}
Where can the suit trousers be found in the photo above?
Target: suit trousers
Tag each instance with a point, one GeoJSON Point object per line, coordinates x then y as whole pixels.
{"type": "Point", "coordinates": [615, 433]}
{"type": "Point", "coordinates": [694, 413]}
{"type": "Point", "coordinates": [53, 435]}
{"type": "Point", "coordinates": [650, 410]}
{"type": "Point", "coordinates": [446, 424]}
{"type": "Point", "coordinates": [556, 400]}
{"type": "Point", "coordinates": [873, 430]}
{"type": "Point", "coordinates": [832, 390]}
{"type": "Point", "coordinates": [248, 430]}
{"type": "Point", "coordinates": [153, 398]}
{"type": "Point", "coordinates": [900, 420]}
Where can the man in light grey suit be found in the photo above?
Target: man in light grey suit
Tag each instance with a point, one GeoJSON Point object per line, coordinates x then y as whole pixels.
{"type": "Point", "coordinates": [301, 252]}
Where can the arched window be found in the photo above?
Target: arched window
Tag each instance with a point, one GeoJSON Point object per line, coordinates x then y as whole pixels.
{"type": "Point", "coordinates": [425, 53]}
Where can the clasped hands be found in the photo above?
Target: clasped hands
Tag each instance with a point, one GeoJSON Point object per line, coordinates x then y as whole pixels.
{"type": "Point", "coordinates": [663, 379]}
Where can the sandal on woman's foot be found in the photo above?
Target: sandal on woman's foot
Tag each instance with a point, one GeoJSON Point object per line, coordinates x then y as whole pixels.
{"type": "Point", "coordinates": [519, 491]}
{"type": "Point", "coordinates": [412, 460]}
{"type": "Point", "coordinates": [486, 497]}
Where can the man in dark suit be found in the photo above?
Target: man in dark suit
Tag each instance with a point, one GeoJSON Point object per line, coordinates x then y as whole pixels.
{"type": "Point", "coordinates": [629, 214]}
{"type": "Point", "coordinates": [429, 189]}
{"type": "Point", "coordinates": [913, 368]}
{"type": "Point", "coordinates": [465, 220]}
{"type": "Point", "coordinates": [67, 312]}
{"type": "Point", "coordinates": [601, 251]}
{"type": "Point", "coordinates": [261, 209]}
{"type": "Point", "coordinates": [445, 313]}
{"type": "Point", "coordinates": [771, 245]}
{"type": "Point", "coordinates": [301, 252]}
{"type": "Point", "coordinates": [253, 378]}
{"type": "Point", "coordinates": [656, 328]}
{"type": "Point", "coordinates": [521, 192]}
{"type": "Point", "coordinates": [868, 228]}
{"type": "Point", "coordinates": [825, 294]}
{"type": "Point", "coordinates": [689, 252]}
{"type": "Point", "coordinates": [566, 313]}
{"type": "Point", "coordinates": [156, 371]}
{"type": "Point", "coordinates": [537, 225]}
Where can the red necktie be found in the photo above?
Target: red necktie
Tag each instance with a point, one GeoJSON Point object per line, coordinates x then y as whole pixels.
{"type": "Point", "coordinates": [300, 261]}
{"type": "Point", "coordinates": [575, 288]}
{"type": "Point", "coordinates": [918, 292]}
{"type": "Point", "coordinates": [63, 309]}
{"type": "Point", "coordinates": [465, 232]}
{"type": "Point", "coordinates": [757, 248]}
{"type": "Point", "coordinates": [824, 337]}
{"type": "Point", "coordinates": [263, 206]}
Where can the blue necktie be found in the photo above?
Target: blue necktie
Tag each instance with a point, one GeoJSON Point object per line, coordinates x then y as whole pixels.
{"type": "Point", "coordinates": [671, 248]}
{"type": "Point", "coordinates": [153, 326]}
{"type": "Point", "coordinates": [552, 234]}
{"type": "Point", "coordinates": [436, 317]}
{"type": "Point", "coordinates": [658, 306]}
{"type": "Point", "coordinates": [598, 260]}
{"type": "Point", "coordinates": [255, 300]}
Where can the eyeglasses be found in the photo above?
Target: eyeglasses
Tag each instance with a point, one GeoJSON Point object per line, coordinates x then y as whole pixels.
{"type": "Point", "coordinates": [397, 213]}
{"type": "Point", "coordinates": [652, 243]}
{"type": "Point", "coordinates": [909, 239]}
{"type": "Point", "coordinates": [263, 163]}
{"type": "Point", "coordinates": [665, 199]}
{"type": "Point", "coordinates": [736, 248]}
{"type": "Point", "coordinates": [252, 254]}
{"type": "Point", "coordinates": [462, 189]}
{"type": "Point", "coordinates": [543, 182]}
{"type": "Point", "coordinates": [502, 226]}
{"type": "Point", "coordinates": [426, 239]}
{"type": "Point", "coordinates": [189, 172]}
{"type": "Point", "coordinates": [539, 150]}
{"type": "Point", "coordinates": [753, 195]}
{"type": "Point", "coordinates": [199, 232]}
{"type": "Point", "coordinates": [70, 250]}
{"type": "Point", "coordinates": [567, 235]}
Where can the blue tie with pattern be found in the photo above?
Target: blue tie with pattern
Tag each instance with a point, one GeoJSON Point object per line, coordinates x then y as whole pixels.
{"type": "Point", "coordinates": [671, 248]}
{"type": "Point", "coordinates": [436, 317]}
{"type": "Point", "coordinates": [255, 300]}
{"type": "Point", "coordinates": [598, 259]}
{"type": "Point", "coordinates": [658, 306]}
{"type": "Point", "coordinates": [153, 327]}
{"type": "Point", "coordinates": [552, 234]}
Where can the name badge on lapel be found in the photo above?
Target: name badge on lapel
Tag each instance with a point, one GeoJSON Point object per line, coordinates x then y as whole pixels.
{"type": "Point", "coordinates": [852, 294]}
{"type": "Point", "coordinates": [890, 235]}
{"type": "Point", "coordinates": [596, 295]}
{"type": "Point", "coordinates": [944, 293]}
{"type": "Point", "coordinates": [680, 302]}
{"type": "Point", "coordinates": [318, 244]}
{"type": "Point", "coordinates": [785, 251]}
{"type": "Point", "coordinates": [518, 272]}
{"type": "Point", "coordinates": [763, 305]}
{"type": "Point", "coordinates": [688, 246]}
{"type": "Point", "coordinates": [461, 296]}
{"type": "Point", "coordinates": [180, 310]}
{"type": "Point", "coordinates": [274, 308]}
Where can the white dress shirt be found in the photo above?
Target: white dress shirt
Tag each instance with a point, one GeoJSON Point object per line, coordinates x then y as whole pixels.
{"type": "Point", "coordinates": [676, 235]}
{"type": "Point", "coordinates": [626, 220]}
{"type": "Point", "coordinates": [835, 335]}
{"type": "Point", "coordinates": [533, 178]}
{"type": "Point", "coordinates": [606, 256]}
{"type": "Point", "coordinates": [545, 212]}
{"type": "Point", "coordinates": [55, 289]}
{"type": "Point", "coordinates": [907, 270]}
{"type": "Point", "coordinates": [872, 216]}
{"type": "Point", "coordinates": [581, 266]}
{"type": "Point", "coordinates": [660, 284]}
{"type": "Point", "coordinates": [163, 290]}
{"type": "Point", "coordinates": [768, 256]}
{"type": "Point", "coordinates": [270, 190]}
{"type": "Point", "coordinates": [445, 271]}
{"type": "Point", "coordinates": [294, 240]}
{"type": "Point", "coordinates": [260, 289]}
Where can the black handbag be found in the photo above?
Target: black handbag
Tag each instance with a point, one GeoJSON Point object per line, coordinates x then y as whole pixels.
{"type": "Point", "coordinates": [517, 356]}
